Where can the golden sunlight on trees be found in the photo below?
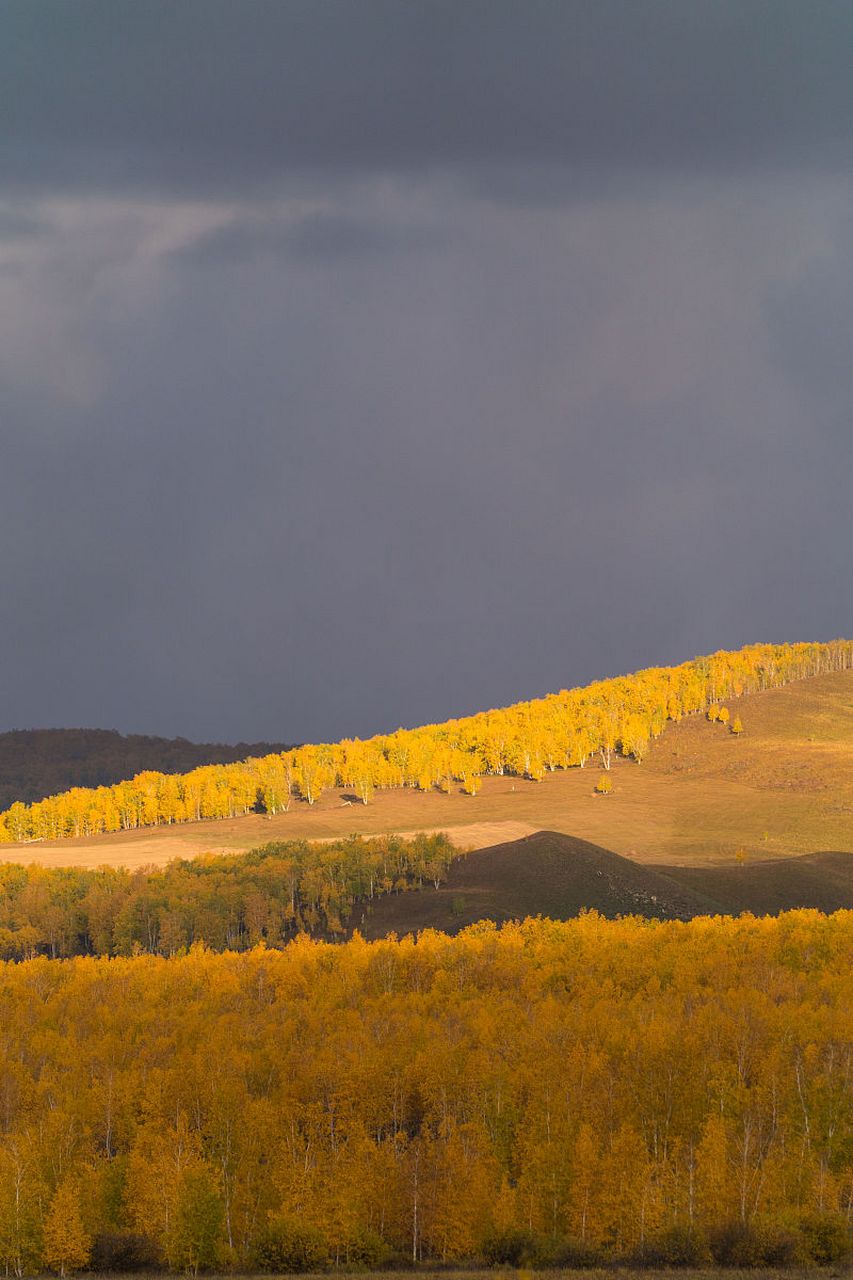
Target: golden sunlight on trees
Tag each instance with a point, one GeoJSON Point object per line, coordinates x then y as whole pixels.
{"type": "Point", "coordinates": [66, 1245]}
{"type": "Point", "coordinates": [623, 715]}
{"type": "Point", "coordinates": [592, 1090]}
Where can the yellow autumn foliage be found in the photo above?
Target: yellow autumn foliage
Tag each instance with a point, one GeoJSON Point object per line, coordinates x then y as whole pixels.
{"type": "Point", "coordinates": [529, 739]}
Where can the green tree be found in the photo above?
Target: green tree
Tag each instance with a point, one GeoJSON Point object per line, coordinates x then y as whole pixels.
{"type": "Point", "coordinates": [197, 1221]}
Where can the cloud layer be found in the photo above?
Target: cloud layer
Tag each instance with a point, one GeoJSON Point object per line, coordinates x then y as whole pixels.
{"type": "Point", "coordinates": [367, 364]}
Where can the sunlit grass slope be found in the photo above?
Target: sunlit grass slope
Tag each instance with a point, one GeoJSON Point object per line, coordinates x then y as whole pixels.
{"type": "Point", "coordinates": [783, 786]}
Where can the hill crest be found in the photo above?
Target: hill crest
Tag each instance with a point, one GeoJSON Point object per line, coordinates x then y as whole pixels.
{"type": "Point", "coordinates": [559, 876]}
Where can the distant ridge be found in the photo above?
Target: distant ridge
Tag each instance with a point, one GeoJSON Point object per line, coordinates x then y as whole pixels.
{"type": "Point", "coordinates": [35, 763]}
{"type": "Point", "coordinates": [556, 875]}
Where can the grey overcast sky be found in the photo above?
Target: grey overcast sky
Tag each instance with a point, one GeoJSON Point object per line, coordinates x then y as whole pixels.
{"type": "Point", "coordinates": [366, 362]}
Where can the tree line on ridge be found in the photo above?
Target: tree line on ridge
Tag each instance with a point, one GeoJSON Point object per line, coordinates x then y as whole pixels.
{"type": "Point", "coordinates": [564, 730]}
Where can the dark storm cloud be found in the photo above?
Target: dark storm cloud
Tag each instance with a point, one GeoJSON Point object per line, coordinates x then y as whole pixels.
{"type": "Point", "coordinates": [15, 225]}
{"type": "Point", "coordinates": [209, 92]}
{"type": "Point", "coordinates": [364, 364]}
{"type": "Point", "coordinates": [323, 237]}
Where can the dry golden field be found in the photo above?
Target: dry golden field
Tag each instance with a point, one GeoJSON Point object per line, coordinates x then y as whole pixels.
{"type": "Point", "coordinates": [785, 787]}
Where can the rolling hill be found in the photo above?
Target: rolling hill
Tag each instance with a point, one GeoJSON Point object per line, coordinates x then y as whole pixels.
{"type": "Point", "coordinates": [380, 886]}
{"type": "Point", "coordinates": [558, 876]}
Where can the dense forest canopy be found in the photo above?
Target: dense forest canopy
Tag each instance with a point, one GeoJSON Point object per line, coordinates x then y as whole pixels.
{"type": "Point", "coordinates": [529, 739]}
{"type": "Point", "coordinates": [231, 901]}
{"type": "Point", "coordinates": [35, 763]}
{"type": "Point", "coordinates": [592, 1088]}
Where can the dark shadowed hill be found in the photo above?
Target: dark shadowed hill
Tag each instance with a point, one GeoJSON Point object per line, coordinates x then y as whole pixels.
{"type": "Point", "coordinates": [556, 875]}
{"type": "Point", "coordinates": [35, 763]}
{"type": "Point", "coordinates": [544, 874]}
{"type": "Point", "coordinates": [820, 880]}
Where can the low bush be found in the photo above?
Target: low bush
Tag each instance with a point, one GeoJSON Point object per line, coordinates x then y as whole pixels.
{"type": "Point", "coordinates": [122, 1251]}
{"type": "Point", "coordinates": [739, 1244]}
{"type": "Point", "coordinates": [369, 1252]}
{"type": "Point", "coordinates": [512, 1248]}
{"type": "Point", "coordinates": [572, 1255]}
{"type": "Point", "coordinates": [678, 1246]}
{"type": "Point", "coordinates": [825, 1239]}
{"type": "Point", "coordinates": [287, 1245]}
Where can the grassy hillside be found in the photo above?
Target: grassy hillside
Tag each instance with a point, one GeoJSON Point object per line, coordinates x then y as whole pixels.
{"type": "Point", "coordinates": [545, 874]}
{"type": "Point", "coordinates": [35, 763]}
{"type": "Point", "coordinates": [558, 876]}
{"type": "Point", "coordinates": [784, 787]}
{"type": "Point", "coordinates": [604, 721]}
{"type": "Point", "coordinates": [823, 881]}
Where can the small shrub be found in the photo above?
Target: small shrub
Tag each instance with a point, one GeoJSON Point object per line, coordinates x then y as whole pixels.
{"type": "Point", "coordinates": [737, 725]}
{"type": "Point", "coordinates": [121, 1251]}
{"type": "Point", "coordinates": [457, 907]}
{"type": "Point", "coordinates": [398, 1260]}
{"type": "Point", "coordinates": [604, 785]}
{"type": "Point", "coordinates": [735, 1245]}
{"type": "Point", "coordinates": [367, 1251]}
{"type": "Point", "coordinates": [779, 1248]}
{"type": "Point", "coordinates": [513, 1248]}
{"type": "Point", "coordinates": [740, 1245]}
{"type": "Point", "coordinates": [678, 1246]}
{"type": "Point", "coordinates": [287, 1245]}
{"type": "Point", "coordinates": [573, 1255]}
{"type": "Point", "coordinates": [825, 1239]}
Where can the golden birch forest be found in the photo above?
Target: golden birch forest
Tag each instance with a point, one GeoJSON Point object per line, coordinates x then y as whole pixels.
{"type": "Point", "coordinates": [564, 730]}
{"type": "Point", "coordinates": [564, 1092]}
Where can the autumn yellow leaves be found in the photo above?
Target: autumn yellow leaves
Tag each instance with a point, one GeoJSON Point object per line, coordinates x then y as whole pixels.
{"type": "Point", "coordinates": [229, 902]}
{"type": "Point", "coordinates": [721, 715]}
{"type": "Point", "coordinates": [565, 730]}
{"type": "Point", "coordinates": [588, 1089]}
